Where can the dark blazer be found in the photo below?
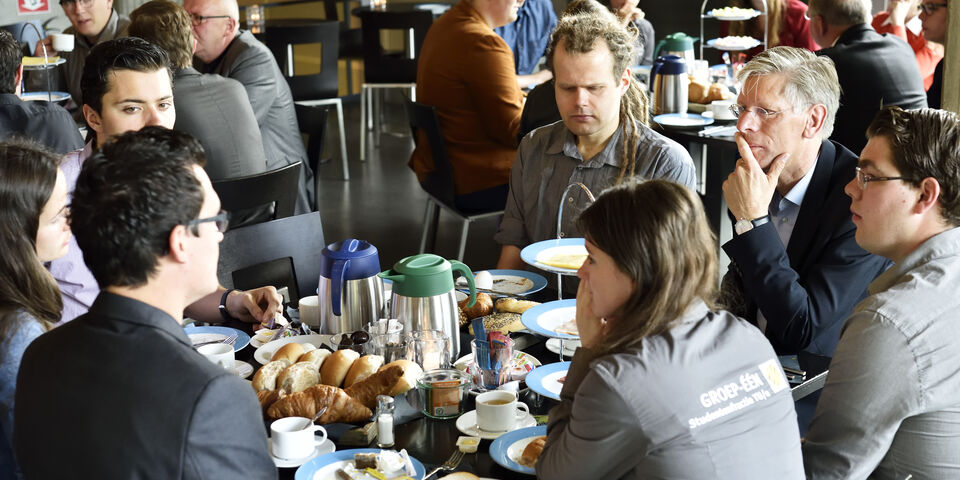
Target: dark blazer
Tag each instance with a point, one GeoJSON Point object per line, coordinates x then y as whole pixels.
{"type": "Point", "coordinates": [874, 71]}
{"type": "Point", "coordinates": [250, 62]}
{"type": "Point", "coordinates": [46, 123]}
{"type": "Point", "coordinates": [807, 289]}
{"type": "Point", "coordinates": [216, 111]}
{"type": "Point", "coordinates": [120, 393]}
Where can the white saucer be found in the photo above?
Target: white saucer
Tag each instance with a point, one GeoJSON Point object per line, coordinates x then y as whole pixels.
{"type": "Point", "coordinates": [467, 423]}
{"type": "Point", "coordinates": [569, 346]}
{"type": "Point", "coordinates": [243, 369]}
{"type": "Point", "coordinates": [324, 448]}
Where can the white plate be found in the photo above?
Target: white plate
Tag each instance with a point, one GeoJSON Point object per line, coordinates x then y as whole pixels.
{"type": "Point", "coordinates": [566, 246]}
{"type": "Point", "coordinates": [265, 352]}
{"type": "Point", "coordinates": [467, 423]}
{"type": "Point", "coordinates": [326, 447]}
{"type": "Point", "coordinates": [255, 342]}
{"type": "Point", "coordinates": [508, 449]}
{"type": "Point", "coordinates": [544, 319]}
{"type": "Point", "coordinates": [56, 96]}
{"type": "Point", "coordinates": [546, 380]}
{"type": "Point", "coordinates": [732, 48]}
{"type": "Point", "coordinates": [729, 18]}
{"type": "Point", "coordinates": [682, 120]}
{"type": "Point", "coordinates": [244, 369]}
{"type": "Point", "coordinates": [325, 466]}
{"type": "Point", "coordinates": [569, 346]}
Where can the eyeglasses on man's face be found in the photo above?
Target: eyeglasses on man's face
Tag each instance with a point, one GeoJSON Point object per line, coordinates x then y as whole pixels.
{"type": "Point", "coordinates": [864, 178]}
{"type": "Point", "coordinates": [761, 112]}
{"type": "Point", "coordinates": [222, 220]}
{"type": "Point", "coordinates": [930, 8]}
{"type": "Point", "coordinates": [76, 3]}
{"type": "Point", "coordinates": [199, 19]}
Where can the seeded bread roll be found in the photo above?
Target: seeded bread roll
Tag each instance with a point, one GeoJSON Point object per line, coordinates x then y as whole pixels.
{"type": "Point", "coordinates": [266, 376]}
{"type": "Point", "coordinates": [362, 368]}
{"type": "Point", "coordinates": [298, 377]}
{"type": "Point", "coordinates": [336, 366]}
{"type": "Point", "coordinates": [501, 322]}
{"type": "Point", "coordinates": [289, 352]}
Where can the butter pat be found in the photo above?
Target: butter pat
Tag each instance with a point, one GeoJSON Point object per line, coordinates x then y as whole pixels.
{"type": "Point", "coordinates": [468, 444]}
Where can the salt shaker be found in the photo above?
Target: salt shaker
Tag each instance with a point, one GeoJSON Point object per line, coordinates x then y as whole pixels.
{"type": "Point", "coordinates": [385, 409]}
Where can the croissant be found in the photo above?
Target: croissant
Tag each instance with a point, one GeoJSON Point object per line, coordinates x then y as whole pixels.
{"type": "Point", "coordinates": [268, 397]}
{"type": "Point", "coordinates": [380, 383]}
{"type": "Point", "coordinates": [340, 406]}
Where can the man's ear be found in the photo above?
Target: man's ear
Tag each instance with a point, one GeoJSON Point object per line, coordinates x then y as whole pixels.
{"type": "Point", "coordinates": [93, 119]}
{"type": "Point", "coordinates": [194, 40]}
{"type": "Point", "coordinates": [17, 79]}
{"type": "Point", "coordinates": [929, 196]}
{"type": "Point", "coordinates": [177, 244]}
{"type": "Point", "coordinates": [816, 118]}
{"type": "Point", "coordinates": [625, 80]}
{"type": "Point", "coordinates": [232, 26]}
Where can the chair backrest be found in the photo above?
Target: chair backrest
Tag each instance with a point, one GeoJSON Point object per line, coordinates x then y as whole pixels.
{"type": "Point", "coordinates": [244, 195]}
{"type": "Point", "coordinates": [380, 66]}
{"type": "Point", "coordinates": [299, 237]}
{"type": "Point", "coordinates": [278, 273]}
{"type": "Point", "coordinates": [283, 36]}
{"type": "Point", "coordinates": [439, 181]}
{"type": "Point", "coordinates": [313, 122]}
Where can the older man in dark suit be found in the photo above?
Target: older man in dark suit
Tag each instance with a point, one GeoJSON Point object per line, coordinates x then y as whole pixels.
{"type": "Point", "coordinates": [122, 386]}
{"type": "Point", "coordinates": [224, 49]}
{"type": "Point", "coordinates": [874, 70]}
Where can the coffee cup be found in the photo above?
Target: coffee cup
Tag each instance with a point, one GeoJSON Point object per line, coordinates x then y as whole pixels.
{"type": "Point", "coordinates": [62, 42]}
{"type": "Point", "coordinates": [310, 310]}
{"type": "Point", "coordinates": [721, 110]}
{"type": "Point", "coordinates": [219, 353]}
{"type": "Point", "coordinates": [293, 437]}
{"type": "Point", "coordinates": [499, 411]}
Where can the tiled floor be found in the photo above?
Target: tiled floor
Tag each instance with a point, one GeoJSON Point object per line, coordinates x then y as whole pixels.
{"type": "Point", "coordinates": [383, 203]}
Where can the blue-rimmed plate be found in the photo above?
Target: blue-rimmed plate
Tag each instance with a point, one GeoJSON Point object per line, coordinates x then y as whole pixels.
{"type": "Point", "coordinates": [682, 120]}
{"type": "Point", "coordinates": [56, 96]}
{"type": "Point", "coordinates": [508, 448]}
{"type": "Point", "coordinates": [547, 318]}
{"type": "Point", "coordinates": [511, 282]}
{"type": "Point", "coordinates": [550, 250]}
{"type": "Point", "coordinates": [325, 467]}
{"type": "Point", "coordinates": [548, 379]}
{"type": "Point", "coordinates": [211, 334]}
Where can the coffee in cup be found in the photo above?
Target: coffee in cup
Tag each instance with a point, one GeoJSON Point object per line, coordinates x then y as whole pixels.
{"type": "Point", "coordinates": [499, 411]}
{"type": "Point", "coordinates": [293, 437]}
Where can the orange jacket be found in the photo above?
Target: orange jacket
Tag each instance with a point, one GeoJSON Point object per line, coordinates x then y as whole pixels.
{"type": "Point", "coordinates": [928, 54]}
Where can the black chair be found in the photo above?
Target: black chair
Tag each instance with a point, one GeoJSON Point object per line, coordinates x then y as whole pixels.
{"type": "Point", "coordinates": [439, 182]}
{"type": "Point", "coordinates": [261, 197]}
{"type": "Point", "coordinates": [351, 39]}
{"type": "Point", "coordinates": [256, 255]}
{"type": "Point", "coordinates": [313, 123]}
{"type": "Point", "coordinates": [383, 69]}
{"type": "Point", "coordinates": [314, 89]}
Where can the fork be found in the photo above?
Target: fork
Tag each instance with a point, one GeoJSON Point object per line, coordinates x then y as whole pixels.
{"type": "Point", "coordinates": [230, 339]}
{"type": "Point", "coordinates": [447, 466]}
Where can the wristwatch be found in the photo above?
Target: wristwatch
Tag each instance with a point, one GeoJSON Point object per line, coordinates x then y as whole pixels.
{"type": "Point", "coordinates": [743, 225]}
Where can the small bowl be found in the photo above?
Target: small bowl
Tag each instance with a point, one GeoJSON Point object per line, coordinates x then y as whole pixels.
{"type": "Point", "coordinates": [442, 392]}
{"type": "Point", "coordinates": [468, 444]}
{"type": "Point", "coordinates": [336, 342]}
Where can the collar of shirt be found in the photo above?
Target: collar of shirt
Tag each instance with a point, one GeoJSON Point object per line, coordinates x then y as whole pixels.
{"type": "Point", "coordinates": [795, 195]}
{"type": "Point", "coordinates": [130, 310]}
{"type": "Point", "coordinates": [566, 144]}
{"type": "Point", "coordinates": [943, 244]}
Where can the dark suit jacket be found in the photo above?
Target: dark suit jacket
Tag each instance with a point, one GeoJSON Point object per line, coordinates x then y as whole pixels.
{"type": "Point", "coordinates": [250, 62]}
{"type": "Point", "coordinates": [216, 111]}
{"type": "Point", "coordinates": [46, 123]}
{"type": "Point", "coordinates": [120, 393]}
{"type": "Point", "coordinates": [807, 289]}
{"type": "Point", "coordinates": [874, 71]}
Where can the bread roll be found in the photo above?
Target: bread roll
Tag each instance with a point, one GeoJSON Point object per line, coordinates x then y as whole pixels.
{"type": "Point", "coordinates": [716, 92]}
{"type": "Point", "coordinates": [532, 452]}
{"type": "Point", "coordinates": [336, 366]}
{"type": "Point", "coordinates": [482, 308]}
{"type": "Point", "coordinates": [697, 91]}
{"type": "Point", "coordinates": [411, 372]}
{"type": "Point", "coordinates": [266, 376]}
{"type": "Point", "coordinates": [340, 406]}
{"type": "Point", "coordinates": [298, 377]}
{"type": "Point", "coordinates": [380, 383]}
{"type": "Point", "coordinates": [290, 352]}
{"type": "Point", "coordinates": [461, 476]}
{"type": "Point", "coordinates": [362, 368]}
{"type": "Point", "coordinates": [315, 357]}
{"type": "Point", "coordinates": [501, 322]}
{"type": "Point", "coordinates": [513, 305]}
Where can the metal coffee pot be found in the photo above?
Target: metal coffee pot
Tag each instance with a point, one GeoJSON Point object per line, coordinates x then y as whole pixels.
{"type": "Point", "coordinates": [350, 293]}
{"type": "Point", "coordinates": [423, 295]}
{"type": "Point", "coordinates": [668, 85]}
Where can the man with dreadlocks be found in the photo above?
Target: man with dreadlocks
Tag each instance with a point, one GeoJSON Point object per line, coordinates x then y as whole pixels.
{"type": "Point", "coordinates": [602, 140]}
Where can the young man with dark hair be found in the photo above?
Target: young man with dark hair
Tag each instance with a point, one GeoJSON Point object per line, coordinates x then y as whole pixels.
{"type": "Point", "coordinates": [39, 120]}
{"type": "Point", "coordinates": [137, 399]}
{"type": "Point", "coordinates": [127, 85]}
{"type": "Point", "coordinates": [212, 108]}
{"type": "Point", "coordinates": [891, 405]}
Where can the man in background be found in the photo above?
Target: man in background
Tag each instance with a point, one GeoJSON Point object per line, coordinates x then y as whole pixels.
{"type": "Point", "coordinates": [527, 38]}
{"type": "Point", "coordinates": [45, 122]}
{"type": "Point", "coordinates": [933, 17]}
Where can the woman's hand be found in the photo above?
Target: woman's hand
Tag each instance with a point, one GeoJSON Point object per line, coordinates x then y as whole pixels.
{"type": "Point", "coordinates": [592, 328]}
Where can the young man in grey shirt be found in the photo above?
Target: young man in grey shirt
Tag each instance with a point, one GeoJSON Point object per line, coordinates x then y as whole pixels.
{"type": "Point", "coordinates": [891, 405]}
{"type": "Point", "coordinates": [601, 141]}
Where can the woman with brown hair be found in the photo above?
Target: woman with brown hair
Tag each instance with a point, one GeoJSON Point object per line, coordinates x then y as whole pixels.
{"type": "Point", "coordinates": [33, 230]}
{"type": "Point", "coordinates": [664, 386]}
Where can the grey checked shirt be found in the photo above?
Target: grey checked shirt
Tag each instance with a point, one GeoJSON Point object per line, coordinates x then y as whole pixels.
{"type": "Point", "coordinates": [891, 405]}
{"type": "Point", "coordinates": [548, 161]}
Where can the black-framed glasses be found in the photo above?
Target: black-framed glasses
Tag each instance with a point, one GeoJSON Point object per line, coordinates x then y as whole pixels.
{"type": "Point", "coordinates": [763, 113]}
{"type": "Point", "coordinates": [74, 3]}
{"type": "Point", "coordinates": [199, 19]}
{"type": "Point", "coordinates": [930, 8]}
{"type": "Point", "coordinates": [864, 178]}
{"type": "Point", "coordinates": [222, 220]}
